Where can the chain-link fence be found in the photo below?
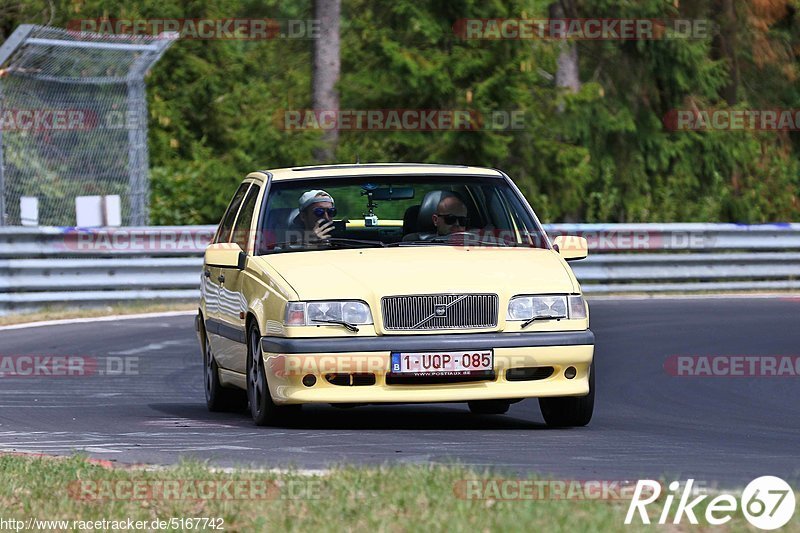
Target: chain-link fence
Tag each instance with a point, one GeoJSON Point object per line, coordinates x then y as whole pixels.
{"type": "Point", "coordinates": [73, 121]}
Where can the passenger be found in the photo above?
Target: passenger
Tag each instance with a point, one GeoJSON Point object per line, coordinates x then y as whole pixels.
{"type": "Point", "coordinates": [316, 213]}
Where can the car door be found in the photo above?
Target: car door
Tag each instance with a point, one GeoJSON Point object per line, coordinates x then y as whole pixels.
{"type": "Point", "coordinates": [210, 285]}
{"type": "Point", "coordinates": [232, 302]}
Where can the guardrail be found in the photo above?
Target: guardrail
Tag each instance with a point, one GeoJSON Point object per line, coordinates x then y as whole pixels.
{"type": "Point", "coordinates": [47, 266]}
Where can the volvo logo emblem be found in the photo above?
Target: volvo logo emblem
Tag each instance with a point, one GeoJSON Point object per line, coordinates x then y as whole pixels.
{"type": "Point", "coordinates": [439, 311]}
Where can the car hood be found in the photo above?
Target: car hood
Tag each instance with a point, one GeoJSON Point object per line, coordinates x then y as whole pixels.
{"type": "Point", "coordinates": [370, 273]}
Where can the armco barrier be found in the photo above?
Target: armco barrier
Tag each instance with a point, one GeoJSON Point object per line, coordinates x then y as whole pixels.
{"type": "Point", "coordinates": [46, 266]}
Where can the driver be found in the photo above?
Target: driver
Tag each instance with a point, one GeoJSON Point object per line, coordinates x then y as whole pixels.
{"type": "Point", "coordinates": [316, 213]}
{"type": "Point", "coordinates": [450, 216]}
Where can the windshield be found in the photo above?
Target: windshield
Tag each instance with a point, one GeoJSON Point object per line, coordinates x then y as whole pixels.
{"type": "Point", "coordinates": [394, 211]}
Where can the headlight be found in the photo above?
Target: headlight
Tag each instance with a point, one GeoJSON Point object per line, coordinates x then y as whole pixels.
{"type": "Point", "coordinates": [356, 313]}
{"type": "Point", "coordinates": [315, 313]}
{"type": "Point", "coordinates": [557, 306]}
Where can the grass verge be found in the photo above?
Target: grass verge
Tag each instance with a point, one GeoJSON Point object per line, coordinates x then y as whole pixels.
{"type": "Point", "coordinates": [397, 498]}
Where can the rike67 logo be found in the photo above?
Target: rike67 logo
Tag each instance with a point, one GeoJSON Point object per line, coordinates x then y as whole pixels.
{"type": "Point", "coordinates": [767, 502]}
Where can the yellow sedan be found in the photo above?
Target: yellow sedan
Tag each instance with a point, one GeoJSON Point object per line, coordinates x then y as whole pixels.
{"type": "Point", "coordinates": [401, 283]}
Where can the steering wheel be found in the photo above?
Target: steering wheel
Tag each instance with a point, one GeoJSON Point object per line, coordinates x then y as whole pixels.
{"type": "Point", "coordinates": [464, 238]}
{"type": "Point", "coordinates": [475, 237]}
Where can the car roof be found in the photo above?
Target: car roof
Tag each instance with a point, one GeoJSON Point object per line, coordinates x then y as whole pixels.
{"type": "Point", "coordinates": [377, 169]}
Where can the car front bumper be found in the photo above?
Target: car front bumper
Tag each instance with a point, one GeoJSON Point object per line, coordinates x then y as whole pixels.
{"type": "Point", "coordinates": [288, 360]}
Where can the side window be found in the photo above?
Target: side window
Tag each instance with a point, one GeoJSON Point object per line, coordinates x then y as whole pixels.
{"type": "Point", "coordinates": [224, 230]}
{"type": "Point", "coordinates": [241, 231]}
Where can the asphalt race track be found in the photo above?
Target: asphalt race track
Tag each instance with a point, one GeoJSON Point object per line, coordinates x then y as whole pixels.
{"type": "Point", "coordinates": [647, 423]}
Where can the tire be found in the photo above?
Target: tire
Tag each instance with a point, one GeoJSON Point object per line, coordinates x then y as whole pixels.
{"type": "Point", "coordinates": [262, 408]}
{"type": "Point", "coordinates": [569, 411]}
{"type": "Point", "coordinates": [489, 407]}
{"type": "Point", "coordinates": [218, 398]}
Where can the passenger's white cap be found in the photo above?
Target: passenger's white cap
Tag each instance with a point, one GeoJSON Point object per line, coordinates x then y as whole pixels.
{"type": "Point", "coordinates": [313, 197]}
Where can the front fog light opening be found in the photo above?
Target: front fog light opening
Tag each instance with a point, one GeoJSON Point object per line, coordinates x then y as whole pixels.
{"type": "Point", "coordinates": [309, 380]}
{"type": "Point", "coordinates": [570, 372]}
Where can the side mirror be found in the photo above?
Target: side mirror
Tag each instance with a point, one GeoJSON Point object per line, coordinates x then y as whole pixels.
{"type": "Point", "coordinates": [571, 247]}
{"type": "Point", "coordinates": [225, 255]}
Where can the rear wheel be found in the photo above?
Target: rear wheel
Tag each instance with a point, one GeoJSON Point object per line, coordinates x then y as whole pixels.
{"type": "Point", "coordinates": [218, 398]}
{"type": "Point", "coordinates": [262, 408]}
{"type": "Point", "coordinates": [569, 411]}
{"type": "Point", "coordinates": [489, 407]}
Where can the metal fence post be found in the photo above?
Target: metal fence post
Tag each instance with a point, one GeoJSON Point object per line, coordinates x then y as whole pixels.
{"type": "Point", "coordinates": [2, 178]}
{"type": "Point", "coordinates": [138, 153]}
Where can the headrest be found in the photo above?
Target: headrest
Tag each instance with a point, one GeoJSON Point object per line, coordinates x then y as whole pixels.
{"type": "Point", "coordinates": [279, 216]}
{"type": "Point", "coordinates": [410, 219]}
{"type": "Point", "coordinates": [294, 218]}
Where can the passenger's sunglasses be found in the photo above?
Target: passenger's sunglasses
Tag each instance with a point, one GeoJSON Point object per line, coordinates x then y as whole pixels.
{"type": "Point", "coordinates": [320, 211]}
{"type": "Point", "coordinates": [452, 219]}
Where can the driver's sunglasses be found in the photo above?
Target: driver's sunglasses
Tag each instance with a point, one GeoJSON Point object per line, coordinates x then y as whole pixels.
{"type": "Point", "coordinates": [452, 219]}
{"type": "Point", "coordinates": [320, 211]}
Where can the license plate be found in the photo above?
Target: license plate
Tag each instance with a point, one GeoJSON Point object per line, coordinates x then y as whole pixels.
{"type": "Point", "coordinates": [443, 363]}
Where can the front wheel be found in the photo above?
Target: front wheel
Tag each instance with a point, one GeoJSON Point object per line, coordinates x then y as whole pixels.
{"type": "Point", "coordinates": [262, 408]}
{"type": "Point", "coordinates": [569, 411]}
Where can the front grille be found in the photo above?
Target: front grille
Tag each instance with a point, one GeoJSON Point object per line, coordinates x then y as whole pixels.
{"type": "Point", "coordinates": [439, 311]}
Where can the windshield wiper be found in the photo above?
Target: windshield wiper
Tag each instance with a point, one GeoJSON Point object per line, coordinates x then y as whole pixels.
{"type": "Point", "coordinates": [474, 240]}
{"type": "Point", "coordinates": [333, 242]}
{"type": "Point", "coordinates": [354, 242]}
{"type": "Point", "coordinates": [540, 317]}
{"type": "Point", "coordinates": [411, 243]}
{"type": "Point", "coordinates": [445, 239]}
{"type": "Point", "coordinates": [347, 325]}
{"type": "Point", "coordinates": [285, 246]}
